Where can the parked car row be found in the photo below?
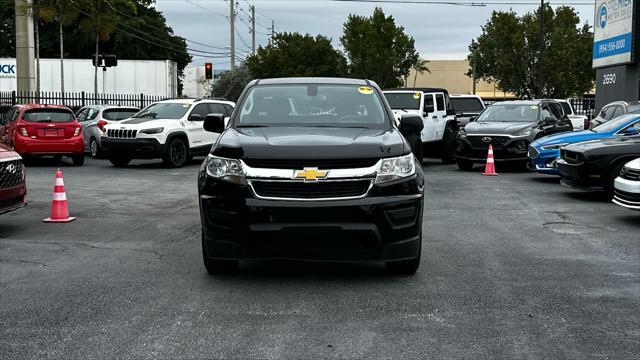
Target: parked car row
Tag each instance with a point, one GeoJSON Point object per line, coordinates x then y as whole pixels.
{"type": "Point", "coordinates": [540, 134]}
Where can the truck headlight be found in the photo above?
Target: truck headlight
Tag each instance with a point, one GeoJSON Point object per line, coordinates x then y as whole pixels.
{"type": "Point", "coordinates": [522, 133]}
{"type": "Point", "coordinates": [553, 147]}
{"type": "Point", "coordinates": [152, 131]}
{"type": "Point", "coordinates": [395, 168]}
{"type": "Point", "coordinates": [225, 169]}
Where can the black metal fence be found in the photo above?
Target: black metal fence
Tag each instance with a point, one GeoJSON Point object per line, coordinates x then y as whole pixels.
{"type": "Point", "coordinates": [75, 100]}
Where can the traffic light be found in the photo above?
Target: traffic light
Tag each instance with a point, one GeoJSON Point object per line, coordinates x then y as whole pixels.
{"type": "Point", "coordinates": [208, 71]}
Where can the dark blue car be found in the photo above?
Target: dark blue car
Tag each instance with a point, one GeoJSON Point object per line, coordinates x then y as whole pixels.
{"type": "Point", "coordinates": [544, 151]}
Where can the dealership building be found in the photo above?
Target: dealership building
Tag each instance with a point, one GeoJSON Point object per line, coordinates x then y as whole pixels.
{"type": "Point", "coordinates": [616, 51]}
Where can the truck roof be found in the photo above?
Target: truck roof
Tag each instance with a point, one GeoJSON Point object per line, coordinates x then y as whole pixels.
{"type": "Point", "coordinates": [311, 80]}
{"type": "Point", "coordinates": [423, 89]}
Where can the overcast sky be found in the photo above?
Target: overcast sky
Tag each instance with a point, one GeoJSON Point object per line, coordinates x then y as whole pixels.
{"type": "Point", "coordinates": [440, 31]}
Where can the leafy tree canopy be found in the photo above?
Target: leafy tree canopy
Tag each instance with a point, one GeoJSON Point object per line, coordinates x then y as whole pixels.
{"type": "Point", "coordinates": [232, 82]}
{"type": "Point", "coordinates": [508, 53]}
{"type": "Point", "coordinates": [377, 49]}
{"type": "Point", "coordinates": [294, 54]}
{"type": "Point", "coordinates": [136, 30]}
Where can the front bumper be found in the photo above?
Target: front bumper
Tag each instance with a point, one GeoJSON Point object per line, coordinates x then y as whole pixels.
{"type": "Point", "coordinates": [543, 161]}
{"type": "Point", "coordinates": [385, 225]}
{"type": "Point", "coordinates": [149, 148]}
{"type": "Point", "coordinates": [508, 152]}
{"type": "Point", "coordinates": [578, 177]}
{"type": "Point", "coordinates": [12, 198]}
{"type": "Point", "coordinates": [627, 193]}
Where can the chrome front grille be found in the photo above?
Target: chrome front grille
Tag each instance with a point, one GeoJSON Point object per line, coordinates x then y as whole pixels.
{"type": "Point", "coordinates": [311, 190]}
{"type": "Point", "coordinates": [122, 133]}
{"type": "Point", "coordinates": [11, 173]}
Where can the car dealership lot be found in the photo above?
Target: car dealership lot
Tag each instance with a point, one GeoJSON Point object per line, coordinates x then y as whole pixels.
{"type": "Point", "coordinates": [513, 266]}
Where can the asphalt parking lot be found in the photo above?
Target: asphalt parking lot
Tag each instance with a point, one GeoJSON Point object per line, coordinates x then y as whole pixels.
{"type": "Point", "coordinates": [513, 267]}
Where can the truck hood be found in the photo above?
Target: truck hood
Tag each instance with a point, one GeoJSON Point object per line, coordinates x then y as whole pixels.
{"type": "Point", "coordinates": [309, 143]}
{"type": "Point", "coordinates": [570, 138]}
{"type": "Point", "coordinates": [493, 128]}
{"type": "Point", "coordinates": [140, 123]}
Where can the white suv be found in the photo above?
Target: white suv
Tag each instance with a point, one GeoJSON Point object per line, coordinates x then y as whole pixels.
{"type": "Point", "coordinates": [169, 129]}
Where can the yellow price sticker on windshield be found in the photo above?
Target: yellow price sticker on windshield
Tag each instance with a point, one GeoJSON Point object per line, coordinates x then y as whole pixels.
{"type": "Point", "coordinates": [185, 105]}
{"type": "Point", "coordinates": [416, 95]}
{"type": "Point", "coordinates": [534, 107]}
{"type": "Point", "coordinates": [365, 90]}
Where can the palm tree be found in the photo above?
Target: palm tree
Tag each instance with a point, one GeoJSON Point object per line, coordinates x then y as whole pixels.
{"type": "Point", "coordinates": [420, 67]}
{"type": "Point", "coordinates": [101, 19]}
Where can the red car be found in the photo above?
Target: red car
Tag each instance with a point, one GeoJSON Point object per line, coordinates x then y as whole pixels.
{"type": "Point", "coordinates": [13, 189]}
{"type": "Point", "coordinates": [40, 130]}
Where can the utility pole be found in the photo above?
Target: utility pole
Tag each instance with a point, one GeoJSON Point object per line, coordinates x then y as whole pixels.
{"type": "Point", "coordinates": [232, 20]}
{"type": "Point", "coordinates": [253, 29]}
{"type": "Point", "coordinates": [474, 50]}
{"type": "Point", "coordinates": [541, 54]}
{"type": "Point", "coordinates": [25, 69]}
{"type": "Point", "coordinates": [273, 29]}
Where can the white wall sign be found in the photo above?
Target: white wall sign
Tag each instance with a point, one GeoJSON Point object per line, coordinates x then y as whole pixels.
{"type": "Point", "coordinates": [613, 34]}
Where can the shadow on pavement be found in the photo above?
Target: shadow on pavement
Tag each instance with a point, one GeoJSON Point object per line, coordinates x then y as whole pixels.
{"type": "Point", "coordinates": [631, 219]}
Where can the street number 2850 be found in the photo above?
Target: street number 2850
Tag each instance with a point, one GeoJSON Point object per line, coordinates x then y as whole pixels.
{"type": "Point", "coordinates": [609, 79]}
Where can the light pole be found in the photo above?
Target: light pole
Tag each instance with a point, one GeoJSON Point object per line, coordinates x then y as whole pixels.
{"type": "Point", "coordinates": [474, 51]}
{"type": "Point", "coordinates": [541, 54]}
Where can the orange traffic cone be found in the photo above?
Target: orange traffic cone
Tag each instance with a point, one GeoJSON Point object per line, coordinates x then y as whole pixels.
{"type": "Point", "coordinates": [59, 204]}
{"type": "Point", "coordinates": [490, 168]}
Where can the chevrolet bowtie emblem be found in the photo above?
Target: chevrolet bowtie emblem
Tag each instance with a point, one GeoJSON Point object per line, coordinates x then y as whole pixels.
{"type": "Point", "coordinates": [310, 174]}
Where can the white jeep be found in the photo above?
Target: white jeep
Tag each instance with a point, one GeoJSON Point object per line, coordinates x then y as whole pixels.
{"type": "Point", "coordinates": [170, 129]}
{"type": "Point", "coordinates": [434, 107]}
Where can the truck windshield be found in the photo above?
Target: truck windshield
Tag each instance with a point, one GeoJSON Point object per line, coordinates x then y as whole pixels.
{"type": "Point", "coordinates": [309, 105]}
{"type": "Point", "coordinates": [163, 111]}
{"type": "Point", "coordinates": [48, 115]}
{"type": "Point", "coordinates": [510, 113]}
{"type": "Point", "coordinates": [404, 101]}
{"type": "Point", "coordinates": [466, 105]}
{"type": "Point", "coordinates": [118, 114]}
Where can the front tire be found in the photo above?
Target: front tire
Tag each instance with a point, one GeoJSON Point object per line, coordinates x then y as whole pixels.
{"type": "Point", "coordinates": [448, 146]}
{"type": "Point", "coordinates": [78, 159]}
{"type": "Point", "coordinates": [464, 165]}
{"type": "Point", "coordinates": [120, 161]}
{"type": "Point", "coordinates": [217, 266]}
{"type": "Point", "coordinates": [176, 154]}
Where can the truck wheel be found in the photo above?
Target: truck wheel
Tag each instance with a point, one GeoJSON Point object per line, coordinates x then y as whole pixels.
{"type": "Point", "coordinates": [94, 149]}
{"type": "Point", "coordinates": [78, 159]}
{"type": "Point", "coordinates": [464, 165]}
{"type": "Point", "coordinates": [611, 178]}
{"type": "Point", "coordinates": [405, 267]}
{"type": "Point", "coordinates": [176, 153]}
{"type": "Point", "coordinates": [216, 266]}
{"type": "Point", "coordinates": [448, 146]}
{"type": "Point", "coordinates": [119, 161]}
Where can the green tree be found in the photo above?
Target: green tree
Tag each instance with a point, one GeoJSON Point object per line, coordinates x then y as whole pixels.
{"type": "Point", "coordinates": [100, 21]}
{"type": "Point", "coordinates": [377, 49]}
{"type": "Point", "coordinates": [420, 67]}
{"type": "Point", "coordinates": [294, 54]}
{"type": "Point", "coordinates": [232, 82]}
{"type": "Point", "coordinates": [7, 28]}
{"type": "Point", "coordinates": [509, 53]}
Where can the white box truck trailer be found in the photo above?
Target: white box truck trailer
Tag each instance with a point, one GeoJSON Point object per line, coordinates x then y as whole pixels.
{"type": "Point", "coordinates": [149, 77]}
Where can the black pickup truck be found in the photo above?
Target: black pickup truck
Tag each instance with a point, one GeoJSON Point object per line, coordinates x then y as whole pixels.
{"type": "Point", "coordinates": [312, 169]}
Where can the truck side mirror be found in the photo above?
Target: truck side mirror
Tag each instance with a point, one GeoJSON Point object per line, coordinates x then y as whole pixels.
{"type": "Point", "coordinates": [214, 123]}
{"type": "Point", "coordinates": [195, 117]}
{"type": "Point", "coordinates": [411, 124]}
{"type": "Point", "coordinates": [549, 120]}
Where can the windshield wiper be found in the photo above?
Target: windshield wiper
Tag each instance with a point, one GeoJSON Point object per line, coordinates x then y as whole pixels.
{"type": "Point", "coordinates": [251, 126]}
